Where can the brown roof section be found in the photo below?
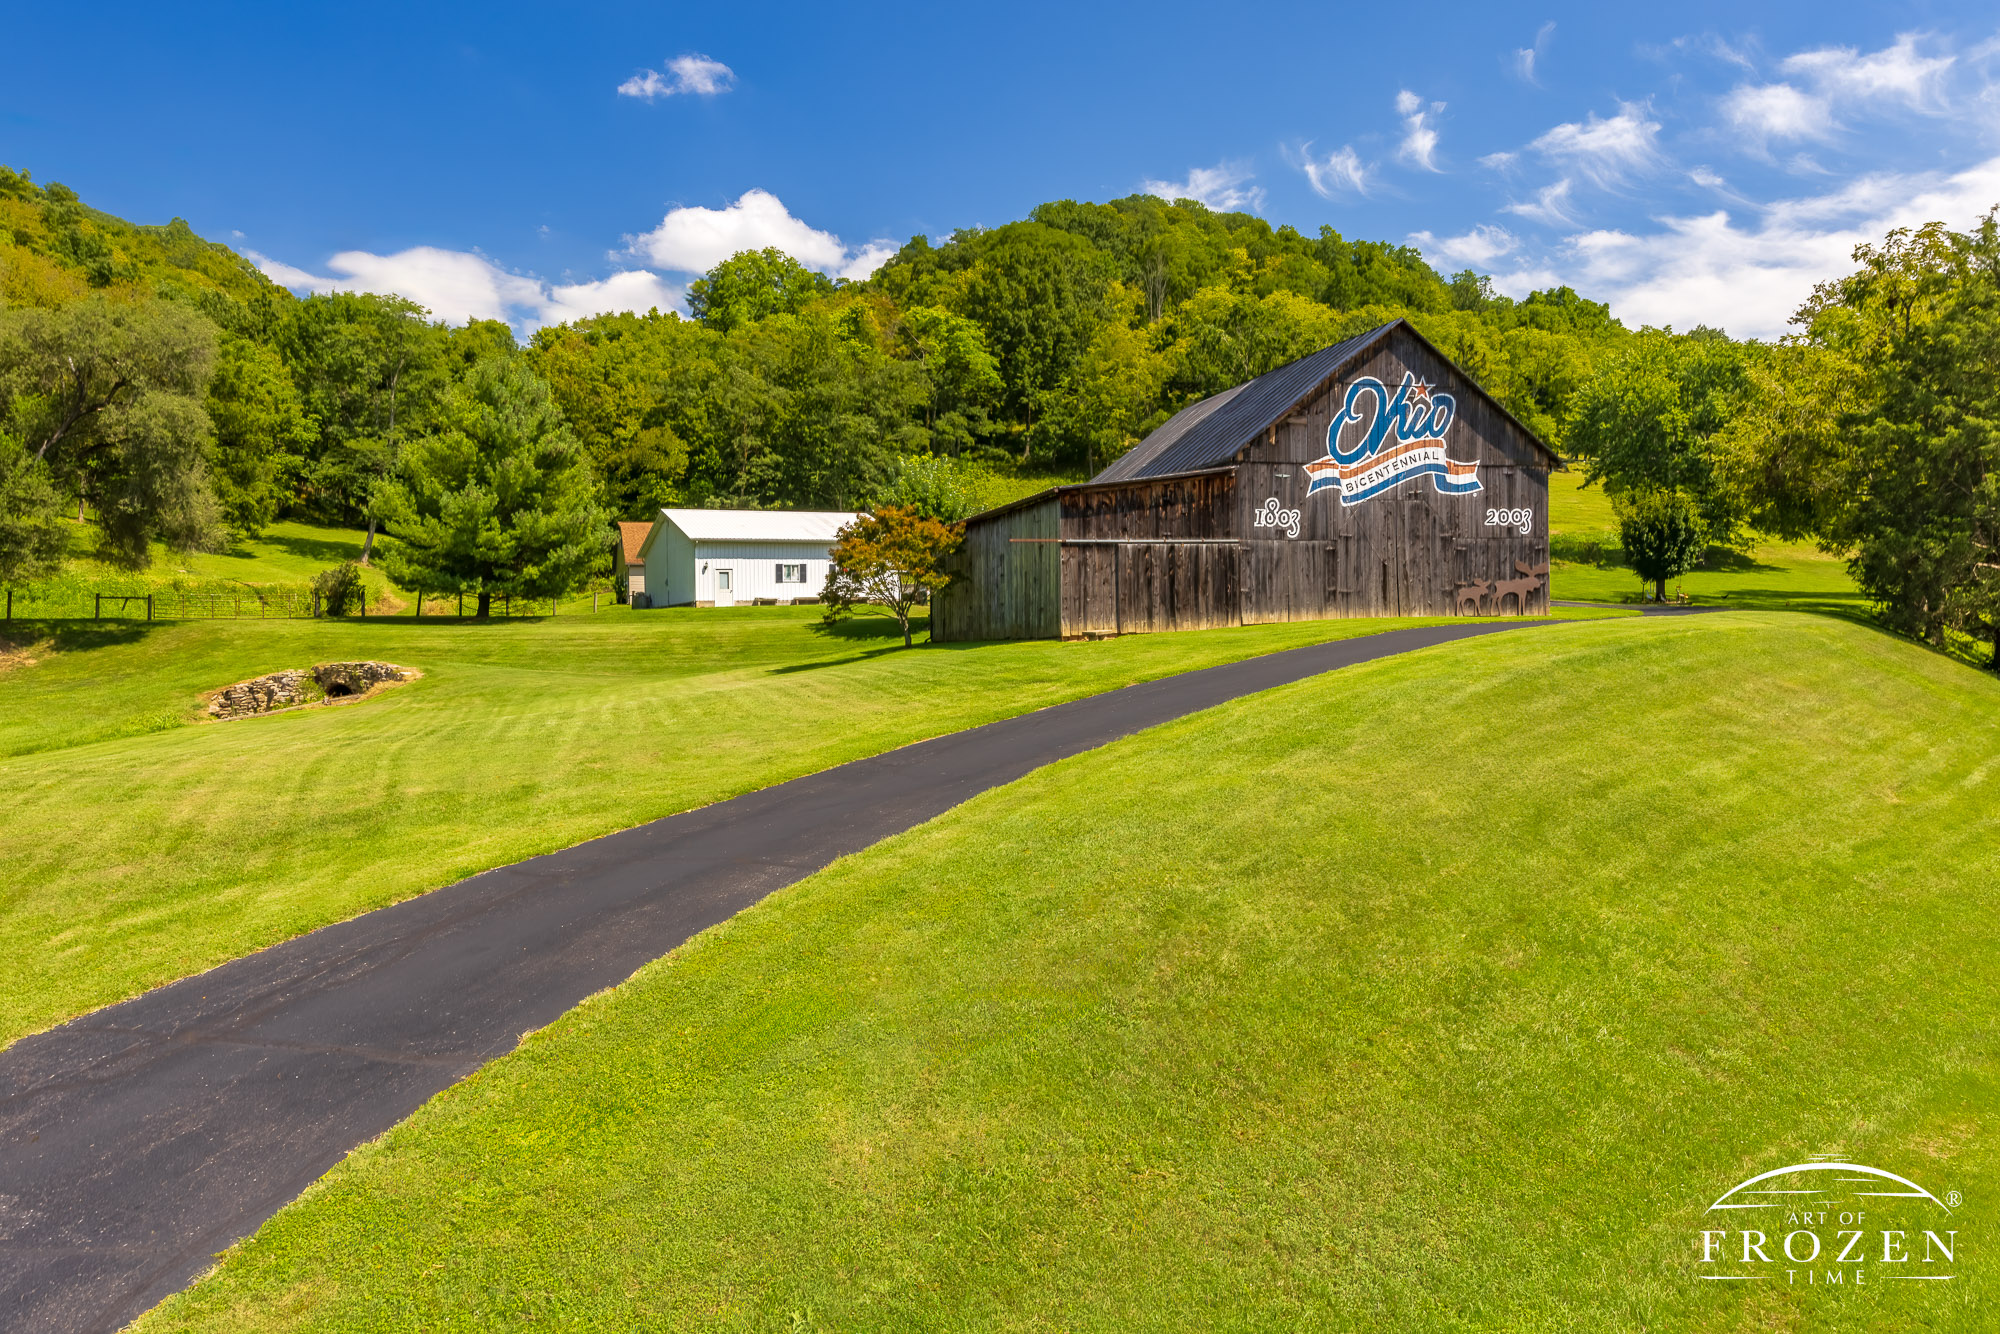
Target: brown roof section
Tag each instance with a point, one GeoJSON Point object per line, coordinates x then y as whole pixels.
{"type": "Point", "coordinates": [632, 536]}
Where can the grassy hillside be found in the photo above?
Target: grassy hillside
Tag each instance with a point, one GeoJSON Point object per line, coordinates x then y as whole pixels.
{"type": "Point", "coordinates": [1773, 576]}
{"type": "Point", "coordinates": [1441, 993]}
{"type": "Point", "coordinates": [138, 848]}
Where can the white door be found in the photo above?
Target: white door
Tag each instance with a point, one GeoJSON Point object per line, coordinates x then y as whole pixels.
{"type": "Point", "coordinates": [725, 587]}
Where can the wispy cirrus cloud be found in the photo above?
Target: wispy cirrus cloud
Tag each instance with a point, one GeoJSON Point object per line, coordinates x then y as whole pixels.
{"type": "Point", "coordinates": [692, 74]}
{"type": "Point", "coordinates": [1339, 173]}
{"type": "Point", "coordinates": [1898, 73]}
{"type": "Point", "coordinates": [1527, 58]}
{"type": "Point", "coordinates": [1477, 248]}
{"type": "Point", "coordinates": [1551, 205]}
{"type": "Point", "coordinates": [1420, 136]}
{"type": "Point", "coordinates": [1747, 272]}
{"type": "Point", "coordinates": [1605, 150]}
{"type": "Point", "coordinates": [1778, 111]}
{"type": "Point", "coordinates": [1224, 187]}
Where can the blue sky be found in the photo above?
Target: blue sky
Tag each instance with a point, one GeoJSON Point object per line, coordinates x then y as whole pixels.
{"type": "Point", "coordinates": [1688, 163]}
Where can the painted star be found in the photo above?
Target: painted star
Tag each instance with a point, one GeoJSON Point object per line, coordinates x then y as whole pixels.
{"type": "Point", "coordinates": [1419, 400]}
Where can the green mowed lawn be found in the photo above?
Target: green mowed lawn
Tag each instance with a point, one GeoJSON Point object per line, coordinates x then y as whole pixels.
{"type": "Point", "coordinates": [1439, 993]}
{"type": "Point", "coordinates": [1578, 510]}
{"type": "Point", "coordinates": [138, 848]}
{"type": "Point", "coordinates": [1773, 577]}
{"type": "Point", "coordinates": [1776, 576]}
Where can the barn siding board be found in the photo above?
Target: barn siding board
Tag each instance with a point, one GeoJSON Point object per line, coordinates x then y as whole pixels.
{"type": "Point", "coordinates": [1141, 553]}
{"type": "Point", "coordinates": [1004, 589]}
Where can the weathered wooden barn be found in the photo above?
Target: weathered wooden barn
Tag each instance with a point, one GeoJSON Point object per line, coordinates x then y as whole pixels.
{"type": "Point", "coordinates": [1372, 478]}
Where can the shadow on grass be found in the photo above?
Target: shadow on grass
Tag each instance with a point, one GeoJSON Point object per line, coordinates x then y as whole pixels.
{"type": "Point", "coordinates": [792, 667]}
{"type": "Point", "coordinates": [865, 629]}
{"type": "Point", "coordinates": [314, 548]}
{"type": "Point", "coordinates": [1724, 561]}
{"type": "Point", "coordinates": [80, 636]}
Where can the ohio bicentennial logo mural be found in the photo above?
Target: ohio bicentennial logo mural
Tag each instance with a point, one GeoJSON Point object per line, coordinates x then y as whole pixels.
{"type": "Point", "coordinates": [1402, 439]}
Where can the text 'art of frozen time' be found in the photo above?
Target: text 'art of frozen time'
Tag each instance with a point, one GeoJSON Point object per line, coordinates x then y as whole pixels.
{"type": "Point", "coordinates": [1404, 440]}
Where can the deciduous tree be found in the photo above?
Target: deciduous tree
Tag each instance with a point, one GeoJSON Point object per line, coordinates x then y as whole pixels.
{"type": "Point", "coordinates": [108, 399]}
{"type": "Point", "coordinates": [371, 370]}
{"type": "Point", "coordinates": [33, 536]}
{"type": "Point", "coordinates": [893, 559]}
{"type": "Point", "coordinates": [1662, 533]}
{"type": "Point", "coordinates": [752, 284]}
{"type": "Point", "coordinates": [1650, 417]}
{"type": "Point", "coordinates": [261, 435]}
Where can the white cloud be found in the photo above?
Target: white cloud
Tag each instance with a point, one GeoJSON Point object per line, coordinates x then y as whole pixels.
{"type": "Point", "coordinates": [454, 285]}
{"type": "Point", "coordinates": [1339, 172]}
{"type": "Point", "coordinates": [1527, 57]}
{"type": "Point", "coordinates": [1419, 138]}
{"type": "Point", "coordinates": [695, 74]}
{"type": "Point", "coordinates": [646, 85]}
{"type": "Point", "coordinates": [1499, 161]}
{"type": "Point", "coordinates": [866, 260]}
{"type": "Point", "coordinates": [1551, 205]}
{"type": "Point", "coordinates": [457, 285]}
{"type": "Point", "coordinates": [1605, 150]}
{"type": "Point", "coordinates": [634, 289]}
{"type": "Point", "coordinates": [1778, 111]}
{"type": "Point", "coordinates": [695, 240]}
{"type": "Point", "coordinates": [1220, 187]}
{"type": "Point", "coordinates": [1478, 248]}
{"type": "Point", "coordinates": [1706, 179]}
{"type": "Point", "coordinates": [1748, 277]}
{"type": "Point", "coordinates": [1895, 74]}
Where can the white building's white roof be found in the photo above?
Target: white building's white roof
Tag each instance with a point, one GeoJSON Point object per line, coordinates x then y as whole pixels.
{"type": "Point", "coordinates": [758, 525]}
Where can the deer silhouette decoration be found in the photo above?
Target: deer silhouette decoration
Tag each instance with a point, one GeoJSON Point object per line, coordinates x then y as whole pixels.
{"type": "Point", "coordinates": [1471, 595]}
{"type": "Point", "coordinates": [1530, 582]}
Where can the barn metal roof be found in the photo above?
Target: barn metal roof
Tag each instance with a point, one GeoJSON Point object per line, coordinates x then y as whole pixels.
{"type": "Point", "coordinates": [1209, 433]}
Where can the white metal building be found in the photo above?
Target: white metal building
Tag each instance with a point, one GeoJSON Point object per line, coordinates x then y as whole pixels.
{"type": "Point", "coordinates": [723, 558]}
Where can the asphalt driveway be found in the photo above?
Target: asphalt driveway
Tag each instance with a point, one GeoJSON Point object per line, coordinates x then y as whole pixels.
{"type": "Point", "coordinates": [139, 1140]}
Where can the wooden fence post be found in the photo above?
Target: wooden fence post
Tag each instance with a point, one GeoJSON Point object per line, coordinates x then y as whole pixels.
{"type": "Point", "coordinates": [420, 604]}
{"type": "Point", "coordinates": [149, 606]}
{"type": "Point", "coordinates": [97, 614]}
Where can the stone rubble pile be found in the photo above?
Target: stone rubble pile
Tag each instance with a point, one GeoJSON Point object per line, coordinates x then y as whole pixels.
{"type": "Point", "coordinates": [357, 678]}
{"type": "Point", "coordinates": [298, 685]}
{"type": "Point", "coordinates": [279, 690]}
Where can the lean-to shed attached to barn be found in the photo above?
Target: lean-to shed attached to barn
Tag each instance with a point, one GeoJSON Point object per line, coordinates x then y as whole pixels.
{"type": "Point", "coordinates": [1372, 478]}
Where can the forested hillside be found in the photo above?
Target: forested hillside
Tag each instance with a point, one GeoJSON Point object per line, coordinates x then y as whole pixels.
{"type": "Point", "coordinates": [1053, 343]}
{"type": "Point", "coordinates": [1045, 346]}
{"type": "Point", "coordinates": [55, 248]}
{"type": "Point", "coordinates": [156, 389]}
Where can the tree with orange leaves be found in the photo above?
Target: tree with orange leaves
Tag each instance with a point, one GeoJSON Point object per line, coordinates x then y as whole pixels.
{"type": "Point", "coordinates": [892, 559]}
